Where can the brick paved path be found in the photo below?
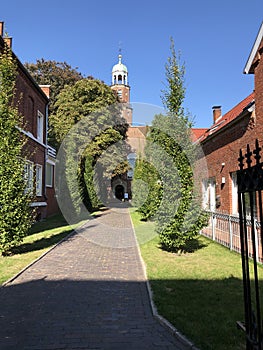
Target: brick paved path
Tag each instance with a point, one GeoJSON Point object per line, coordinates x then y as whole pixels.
{"type": "Point", "coordinates": [84, 294]}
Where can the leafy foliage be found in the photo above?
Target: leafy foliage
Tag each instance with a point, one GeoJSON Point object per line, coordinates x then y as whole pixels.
{"type": "Point", "coordinates": [147, 195]}
{"type": "Point", "coordinates": [170, 150]}
{"type": "Point", "coordinates": [79, 101]}
{"type": "Point", "coordinates": [15, 213]}
{"type": "Point", "coordinates": [83, 105]}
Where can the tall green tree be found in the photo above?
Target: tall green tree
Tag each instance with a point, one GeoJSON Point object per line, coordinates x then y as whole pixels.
{"type": "Point", "coordinates": [170, 149]}
{"type": "Point", "coordinates": [86, 102]}
{"type": "Point", "coordinates": [15, 213]}
{"type": "Point", "coordinates": [147, 188]}
{"type": "Point", "coordinates": [57, 75]}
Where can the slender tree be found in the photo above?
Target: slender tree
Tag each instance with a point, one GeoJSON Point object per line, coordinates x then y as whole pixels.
{"type": "Point", "coordinates": [170, 149]}
{"type": "Point", "coordinates": [15, 213]}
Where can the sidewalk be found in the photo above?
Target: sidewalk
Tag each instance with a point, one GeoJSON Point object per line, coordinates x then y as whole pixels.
{"type": "Point", "coordinates": [89, 292]}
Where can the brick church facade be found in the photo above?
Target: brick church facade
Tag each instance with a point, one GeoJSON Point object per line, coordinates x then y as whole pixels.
{"type": "Point", "coordinates": [32, 103]}
{"type": "Point", "coordinates": [136, 135]}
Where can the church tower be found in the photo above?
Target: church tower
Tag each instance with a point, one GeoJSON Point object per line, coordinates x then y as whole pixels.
{"type": "Point", "coordinates": [121, 87]}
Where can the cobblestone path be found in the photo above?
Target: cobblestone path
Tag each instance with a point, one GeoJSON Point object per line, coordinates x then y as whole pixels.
{"type": "Point", "coordinates": [89, 292]}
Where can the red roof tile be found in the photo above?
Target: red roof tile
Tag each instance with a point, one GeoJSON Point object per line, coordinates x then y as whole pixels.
{"type": "Point", "coordinates": [226, 118]}
{"type": "Point", "coordinates": [197, 132]}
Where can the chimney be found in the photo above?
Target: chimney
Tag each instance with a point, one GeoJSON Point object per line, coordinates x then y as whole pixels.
{"type": "Point", "coordinates": [1, 28]}
{"type": "Point", "coordinates": [216, 113]}
{"type": "Point", "coordinates": [45, 89]}
{"type": "Point", "coordinates": [8, 42]}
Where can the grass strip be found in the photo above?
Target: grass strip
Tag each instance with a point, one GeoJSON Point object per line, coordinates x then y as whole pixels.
{"type": "Point", "coordinates": [200, 293]}
{"type": "Point", "coordinates": [41, 237]}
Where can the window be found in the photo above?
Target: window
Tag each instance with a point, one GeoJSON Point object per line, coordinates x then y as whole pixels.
{"type": "Point", "coordinates": [209, 194]}
{"type": "Point", "coordinates": [40, 126]}
{"type": "Point", "coordinates": [38, 180]}
{"type": "Point", "coordinates": [28, 176]}
{"type": "Point", "coordinates": [250, 204]}
{"type": "Point", "coordinates": [234, 194]}
{"type": "Point", "coordinates": [49, 175]}
{"type": "Point", "coordinates": [120, 93]}
{"type": "Point", "coordinates": [131, 159]}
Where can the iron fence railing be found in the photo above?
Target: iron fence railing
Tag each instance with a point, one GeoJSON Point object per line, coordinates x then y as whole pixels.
{"type": "Point", "coordinates": [224, 229]}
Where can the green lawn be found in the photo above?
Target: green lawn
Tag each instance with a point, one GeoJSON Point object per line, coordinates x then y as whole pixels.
{"type": "Point", "coordinates": [42, 236]}
{"type": "Point", "coordinates": [200, 293]}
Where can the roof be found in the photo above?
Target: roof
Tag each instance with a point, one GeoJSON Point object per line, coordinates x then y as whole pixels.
{"type": "Point", "coordinates": [249, 68]}
{"type": "Point", "coordinates": [136, 136]}
{"type": "Point", "coordinates": [119, 67]}
{"type": "Point", "coordinates": [198, 132]}
{"type": "Point", "coordinates": [227, 118]}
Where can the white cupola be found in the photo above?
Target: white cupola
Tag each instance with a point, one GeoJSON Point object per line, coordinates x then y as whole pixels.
{"type": "Point", "coordinates": [119, 73]}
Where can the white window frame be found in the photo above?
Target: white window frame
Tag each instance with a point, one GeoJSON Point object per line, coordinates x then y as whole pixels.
{"type": "Point", "coordinates": [40, 126]}
{"type": "Point", "coordinates": [29, 176]}
{"type": "Point", "coordinates": [51, 173]}
{"type": "Point", "coordinates": [234, 194]}
{"type": "Point", "coordinates": [209, 194]}
{"type": "Point", "coordinates": [39, 178]}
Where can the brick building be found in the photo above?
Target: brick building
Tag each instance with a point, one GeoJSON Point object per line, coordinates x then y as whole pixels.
{"type": "Point", "coordinates": [136, 135]}
{"type": "Point", "coordinates": [32, 103]}
{"type": "Point", "coordinates": [228, 134]}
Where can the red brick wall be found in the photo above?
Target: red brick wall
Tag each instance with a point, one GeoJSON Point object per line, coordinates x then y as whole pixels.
{"type": "Point", "coordinates": [29, 101]}
{"type": "Point", "coordinates": [224, 146]}
{"type": "Point", "coordinates": [52, 205]}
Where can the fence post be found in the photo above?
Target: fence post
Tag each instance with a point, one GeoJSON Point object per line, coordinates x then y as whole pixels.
{"type": "Point", "coordinates": [213, 226]}
{"type": "Point", "coordinates": [230, 232]}
{"type": "Point", "coordinates": [256, 239]}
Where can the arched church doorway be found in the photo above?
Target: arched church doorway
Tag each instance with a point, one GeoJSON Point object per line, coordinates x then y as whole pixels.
{"type": "Point", "coordinates": [119, 192]}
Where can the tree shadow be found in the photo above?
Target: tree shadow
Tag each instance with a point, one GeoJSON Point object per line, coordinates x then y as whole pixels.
{"type": "Point", "coordinates": [189, 247]}
{"type": "Point", "coordinates": [71, 313]}
{"type": "Point", "coordinates": [79, 314]}
{"type": "Point", "coordinates": [41, 243]}
{"type": "Point", "coordinates": [193, 245]}
{"type": "Point", "coordinates": [50, 223]}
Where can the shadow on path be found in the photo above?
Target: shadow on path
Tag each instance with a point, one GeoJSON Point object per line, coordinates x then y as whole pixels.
{"type": "Point", "coordinates": [65, 314]}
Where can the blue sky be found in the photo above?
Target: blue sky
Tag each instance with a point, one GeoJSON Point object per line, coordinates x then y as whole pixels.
{"type": "Point", "coordinates": [214, 38]}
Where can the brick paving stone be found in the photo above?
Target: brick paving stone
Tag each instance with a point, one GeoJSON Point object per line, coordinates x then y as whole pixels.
{"type": "Point", "coordinates": [89, 292]}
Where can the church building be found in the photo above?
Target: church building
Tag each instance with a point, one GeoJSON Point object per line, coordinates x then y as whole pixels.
{"type": "Point", "coordinates": [136, 135]}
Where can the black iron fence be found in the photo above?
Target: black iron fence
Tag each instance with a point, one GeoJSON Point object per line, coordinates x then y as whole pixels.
{"type": "Point", "coordinates": [250, 186]}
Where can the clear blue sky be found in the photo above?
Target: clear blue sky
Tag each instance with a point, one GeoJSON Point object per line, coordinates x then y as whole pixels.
{"type": "Point", "coordinates": [214, 38]}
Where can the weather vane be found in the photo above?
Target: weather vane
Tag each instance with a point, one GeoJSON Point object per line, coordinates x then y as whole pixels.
{"type": "Point", "coordinates": [120, 43]}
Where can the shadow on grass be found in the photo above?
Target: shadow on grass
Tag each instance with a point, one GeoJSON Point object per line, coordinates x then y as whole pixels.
{"type": "Point", "coordinates": [190, 247]}
{"type": "Point", "coordinates": [193, 245]}
{"type": "Point", "coordinates": [48, 224]}
{"type": "Point", "coordinates": [41, 243]}
{"type": "Point", "coordinates": [205, 310]}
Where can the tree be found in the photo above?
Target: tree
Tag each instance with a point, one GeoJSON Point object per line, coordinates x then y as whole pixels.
{"type": "Point", "coordinates": [78, 101]}
{"type": "Point", "coordinates": [57, 75]}
{"type": "Point", "coordinates": [147, 195]}
{"type": "Point", "coordinates": [15, 213]}
{"type": "Point", "coordinates": [170, 149]}
{"type": "Point", "coordinates": [85, 102]}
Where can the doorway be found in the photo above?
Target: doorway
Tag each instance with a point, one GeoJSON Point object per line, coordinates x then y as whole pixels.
{"type": "Point", "coordinates": [119, 192]}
